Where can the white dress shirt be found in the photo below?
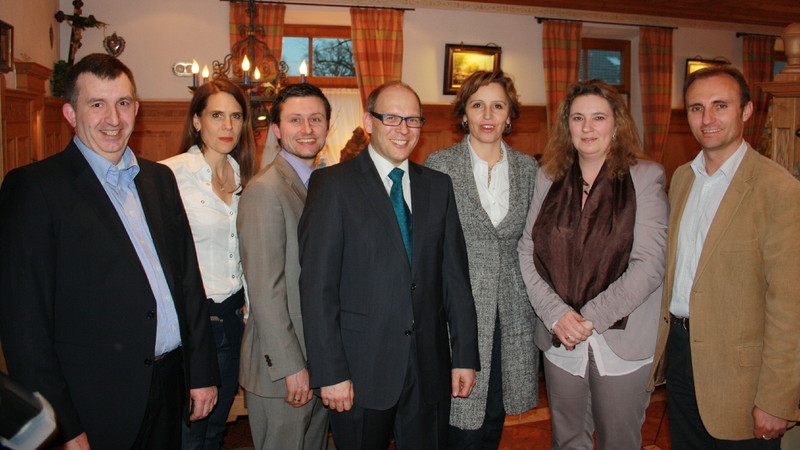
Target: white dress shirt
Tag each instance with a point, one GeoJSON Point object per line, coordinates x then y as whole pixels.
{"type": "Point", "coordinates": [492, 189]}
{"type": "Point", "coordinates": [213, 223]}
{"type": "Point", "coordinates": [701, 207]}
{"type": "Point", "coordinates": [384, 167]}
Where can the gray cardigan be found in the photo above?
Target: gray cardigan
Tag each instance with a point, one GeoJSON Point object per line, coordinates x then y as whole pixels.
{"type": "Point", "coordinates": [496, 283]}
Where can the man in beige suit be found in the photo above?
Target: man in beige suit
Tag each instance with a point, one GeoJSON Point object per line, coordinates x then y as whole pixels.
{"type": "Point", "coordinates": [731, 305]}
{"type": "Point", "coordinates": [284, 414]}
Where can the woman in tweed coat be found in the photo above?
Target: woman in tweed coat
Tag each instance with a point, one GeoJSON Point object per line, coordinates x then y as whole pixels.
{"type": "Point", "coordinates": [493, 187]}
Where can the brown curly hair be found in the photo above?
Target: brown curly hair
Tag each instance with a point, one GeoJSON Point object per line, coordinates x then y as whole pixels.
{"type": "Point", "coordinates": [625, 148]}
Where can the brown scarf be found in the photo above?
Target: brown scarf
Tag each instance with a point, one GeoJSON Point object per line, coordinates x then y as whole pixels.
{"type": "Point", "coordinates": [579, 253]}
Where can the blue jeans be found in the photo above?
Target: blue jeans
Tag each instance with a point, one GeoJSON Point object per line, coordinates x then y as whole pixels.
{"type": "Point", "coordinates": [207, 433]}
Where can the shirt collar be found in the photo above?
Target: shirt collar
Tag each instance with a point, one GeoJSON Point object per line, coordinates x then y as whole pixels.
{"type": "Point", "coordinates": [108, 173]}
{"type": "Point", "coordinates": [196, 162]}
{"type": "Point", "coordinates": [302, 170]}
{"type": "Point", "coordinates": [383, 165]}
{"type": "Point", "coordinates": [728, 168]}
{"type": "Point", "coordinates": [477, 159]}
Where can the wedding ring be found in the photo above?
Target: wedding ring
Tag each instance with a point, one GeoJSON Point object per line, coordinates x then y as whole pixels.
{"type": "Point", "coordinates": [569, 338]}
{"type": "Point", "coordinates": [763, 436]}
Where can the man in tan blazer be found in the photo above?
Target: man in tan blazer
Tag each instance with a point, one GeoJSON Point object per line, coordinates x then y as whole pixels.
{"type": "Point", "coordinates": [730, 314]}
{"type": "Point", "coordinates": [284, 414]}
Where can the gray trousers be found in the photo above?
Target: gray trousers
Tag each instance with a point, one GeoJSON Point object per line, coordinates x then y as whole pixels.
{"type": "Point", "coordinates": [275, 424]}
{"type": "Point", "coordinates": [612, 406]}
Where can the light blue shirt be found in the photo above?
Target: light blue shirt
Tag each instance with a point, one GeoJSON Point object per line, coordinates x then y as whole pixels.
{"type": "Point", "coordinates": [117, 180]}
{"type": "Point", "coordinates": [302, 170]}
{"type": "Point", "coordinates": [698, 214]}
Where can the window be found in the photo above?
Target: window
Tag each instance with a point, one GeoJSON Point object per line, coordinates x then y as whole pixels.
{"type": "Point", "coordinates": [779, 64]}
{"type": "Point", "coordinates": [608, 60]}
{"type": "Point", "coordinates": [327, 50]}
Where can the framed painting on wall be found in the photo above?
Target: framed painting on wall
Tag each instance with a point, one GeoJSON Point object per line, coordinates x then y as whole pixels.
{"type": "Point", "coordinates": [6, 47]}
{"type": "Point", "coordinates": [695, 64]}
{"type": "Point", "coordinates": [463, 60]}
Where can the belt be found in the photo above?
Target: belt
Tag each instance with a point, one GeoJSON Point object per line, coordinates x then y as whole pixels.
{"type": "Point", "coordinates": [165, 355]}
{"type": "Point", "coordinates": [682, 321]}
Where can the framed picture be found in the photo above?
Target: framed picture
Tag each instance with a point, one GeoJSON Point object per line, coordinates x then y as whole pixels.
{"type": "Point", "coordinates": [462, 60]}
{"type": "Point", "coordinates": [6, 47]}
{"type": "Point", "coordinates": [693, 64]}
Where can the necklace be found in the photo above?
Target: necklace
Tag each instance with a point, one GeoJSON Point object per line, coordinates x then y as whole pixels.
{"type": "Point", "coordinates": [586, 187]}
{"type": "Point", "coordinates": [220, 182]}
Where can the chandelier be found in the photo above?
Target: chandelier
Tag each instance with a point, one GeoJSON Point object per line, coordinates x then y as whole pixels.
{"type": "Point", "coordinates": [252, 66]}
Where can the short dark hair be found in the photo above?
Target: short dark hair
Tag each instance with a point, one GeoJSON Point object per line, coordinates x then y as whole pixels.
{"type": "Point", "coordinates": [373, 96]}
{"type": "Point", "coordinates": [297, 90]}
{"type": "Point", "coordinates": [105, 67]}
{"type": "Point", "coordinates": [483, 78]}
{"type": "Point", "coordinates": [244, 153]}
{"type": "Point", "coordinates": [726, 69]}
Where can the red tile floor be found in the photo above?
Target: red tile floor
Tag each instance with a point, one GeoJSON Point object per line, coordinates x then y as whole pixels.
{"type": "Point", "coordinates": [529, 431]}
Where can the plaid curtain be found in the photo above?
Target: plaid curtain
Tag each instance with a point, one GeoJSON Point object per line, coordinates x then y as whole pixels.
{"type": "Point", "coordinates": [655, 80]}
{"type": "Point", "coordinates": [561, 45]}
{"type": "Point", "coordinates": [269, 29]}
{"type": "Point", "coordinates": [759, 58]}
{"type": "Point", "coordinates": [377, 36]}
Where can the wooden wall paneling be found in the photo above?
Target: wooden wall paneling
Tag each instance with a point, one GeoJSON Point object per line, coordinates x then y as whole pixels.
{"type": "Point", "coordinates": [18, 120]}
{"type": "Point", "coordinates": [159, 124]}
{"type": "Point", "coordinates": [441, 131]}
{"type": "Point", "coordinates": [57, 131]}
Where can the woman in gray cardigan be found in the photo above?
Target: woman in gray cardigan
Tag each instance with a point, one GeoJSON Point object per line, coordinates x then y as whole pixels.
{"type": "Point", "coordinates": [493, 187]}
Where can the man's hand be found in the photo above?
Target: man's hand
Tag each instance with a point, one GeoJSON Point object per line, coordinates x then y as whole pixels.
{"type": "Point", "coordinates": [463, 380]}
{"type": "Point", "coordinates": [203, 401]}
{"type": "Point", "coordinates": [768, 426]}
{"type": "Point", "coordinates": [79, 442]}
{"type": "Point", "coordinates": [571, 329]}
{"type": "Point", "coordinates": [297, 387]}
{"type": "Point", "coordinates": [339, 396]}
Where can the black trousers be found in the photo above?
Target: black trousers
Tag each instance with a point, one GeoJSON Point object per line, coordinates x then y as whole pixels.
{"type": "Point", "coordinates": [161, 428]}
{"type": "Point", "coordinates": [686, 427]}
{"type": "Point", "coordinates": [416, 422]}
{"type": "Point", "coordinates": [487, 437]}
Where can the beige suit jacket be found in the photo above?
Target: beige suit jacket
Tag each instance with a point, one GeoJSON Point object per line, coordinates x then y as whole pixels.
{"type": "Point", "coordinates": [745, 300]}
{"type": "Point", "coordinates": [273, 345]}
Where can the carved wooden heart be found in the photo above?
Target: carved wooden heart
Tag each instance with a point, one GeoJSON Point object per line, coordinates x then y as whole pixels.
{"type": "Point", "coordinates": [114, 44]}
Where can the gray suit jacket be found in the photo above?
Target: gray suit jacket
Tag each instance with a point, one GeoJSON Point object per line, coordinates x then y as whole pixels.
{"type": "Point", "coordinates": [496, 283]}
{"type": "Point", "coordinates": [273, 345]}
{"type": "Point", "coordinates": [636, 294]}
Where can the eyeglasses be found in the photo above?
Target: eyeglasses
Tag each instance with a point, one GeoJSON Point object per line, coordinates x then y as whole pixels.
{"type": "Point", "coordinates": [395, 121]}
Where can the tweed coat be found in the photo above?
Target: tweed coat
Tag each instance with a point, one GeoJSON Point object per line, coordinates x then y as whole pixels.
{"type": "Point", "coordinates": [496, 283]}
{"type": "Point", "coordinates": [745, 301]}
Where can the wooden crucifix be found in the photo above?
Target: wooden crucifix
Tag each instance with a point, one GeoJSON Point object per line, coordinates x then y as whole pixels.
{"type": "Point", "coordinates": [78, 24]}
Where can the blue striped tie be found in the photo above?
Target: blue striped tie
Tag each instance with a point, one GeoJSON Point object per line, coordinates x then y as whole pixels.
{"type": "Point", "coordinates": [400, 208]}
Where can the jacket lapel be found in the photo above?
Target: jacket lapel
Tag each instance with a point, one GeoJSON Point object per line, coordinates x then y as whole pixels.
{"type": "Point", "coordinates": [150, 199]}
{"type": "Point", "coordinates": [420, 202]}
{"type": "Point", "coordinates": [374, 191]}
{"type": "Point", "coordinates": [291, 177]}
{"type": "Point", "coordinates": [464, 171]}
{"type": "Point", "coordinates": [739, 188]}
{"type": "Point", "coordinates": [92, 191]}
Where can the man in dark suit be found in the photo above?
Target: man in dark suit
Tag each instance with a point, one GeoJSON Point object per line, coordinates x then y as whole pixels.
{"type": "Point", "coordinates": [102, 308]}
{"type": "Point", "coordinates": [384, 278]}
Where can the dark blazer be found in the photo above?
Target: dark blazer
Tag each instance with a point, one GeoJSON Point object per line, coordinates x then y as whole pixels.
{"type": "Point", "coordinates": [363, 305]}
{"type": "Point", "coordinates": [77, 315]}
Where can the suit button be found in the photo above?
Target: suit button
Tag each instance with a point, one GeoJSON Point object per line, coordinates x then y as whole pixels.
{"type": "Point", "coordinates": [408, 332]}
{"type": "Point", "coordinates": [148, 362]}
{"type": "Point", "coordinates": [413, 286]}
{"type": "Point", "coordinates": [269, 361]}
{"type": "Point", "coordinates": [150, 314]}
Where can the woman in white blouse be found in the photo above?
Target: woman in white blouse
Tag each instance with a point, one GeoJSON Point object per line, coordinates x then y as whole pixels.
{"type": "Point", "coordinates": [217, 162]}
{"type": "Point", "coordinates": [493, 185]}
{"type": "Point", "coordinates": [592, 256]}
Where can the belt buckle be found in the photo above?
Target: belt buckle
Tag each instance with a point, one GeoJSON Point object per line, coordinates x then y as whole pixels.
{"type": "Point", "coordinates": [682, 321]}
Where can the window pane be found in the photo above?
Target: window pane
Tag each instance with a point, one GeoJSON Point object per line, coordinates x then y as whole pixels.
{"type": "Point", "coordinates": [295, 50]}
{"type": "Point", "coordinates": [605, 65]}
{"type": "Point", "coordinates": [333, 58]}
{"type": "Point", "coordinates": [777, 67]}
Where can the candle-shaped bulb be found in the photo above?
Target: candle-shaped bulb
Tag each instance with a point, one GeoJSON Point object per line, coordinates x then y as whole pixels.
{"type": "Point", "coordinates": [303, 71]}
{"type": "Point", "coordinates": [257, 74]}
{"type": "Point", "coordinates": [205, 73]}
{"type": "Point", "coordinates": [246, 69]}
{"type": "Point", "coordinates": [195, 67]}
